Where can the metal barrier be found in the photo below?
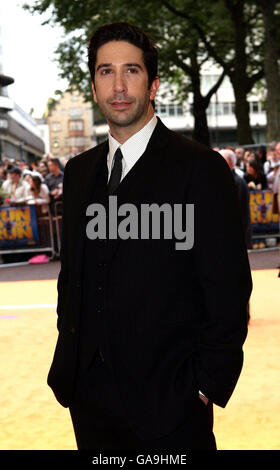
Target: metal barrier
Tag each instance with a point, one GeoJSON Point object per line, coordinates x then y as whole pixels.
{"type": "Point", "coordinates": [57, 219]}
{"type": "Point", "coordinates": [264, 224]}
{"type": "Point", "coordinates": [42, 223]}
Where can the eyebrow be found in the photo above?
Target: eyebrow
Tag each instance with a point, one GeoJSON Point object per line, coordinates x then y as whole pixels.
{"type": "Point", "coordinates": [100, 66]}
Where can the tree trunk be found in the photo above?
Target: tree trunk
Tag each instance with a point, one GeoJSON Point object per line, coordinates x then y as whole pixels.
{"type": "Point", "coordinates": [242, 111]}
{"type": "Point", "coordinates": [201, 131]}
{"type": "Point", "coordinates": [271, 70]}
{"type": "Point", "coordinates": [238, 75]}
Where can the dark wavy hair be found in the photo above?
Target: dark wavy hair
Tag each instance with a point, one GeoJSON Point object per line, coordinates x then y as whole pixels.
{"type": "Point", "coordinates": [129, 33]}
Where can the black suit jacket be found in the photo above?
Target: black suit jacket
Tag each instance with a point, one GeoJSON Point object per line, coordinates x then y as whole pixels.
{"type": "Point", "coordinates": [175, 319]}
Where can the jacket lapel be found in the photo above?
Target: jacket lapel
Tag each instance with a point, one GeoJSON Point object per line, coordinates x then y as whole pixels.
{"type": "Point", "coordinates": [138, 185]}
{"type": "Point", "coordinates": [90, 172]}
{"type": "Point", "coordinates": [134, 187]}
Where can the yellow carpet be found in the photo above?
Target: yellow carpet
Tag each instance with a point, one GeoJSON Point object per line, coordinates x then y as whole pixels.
{"type": "Point", "coordinates": [31, 419]}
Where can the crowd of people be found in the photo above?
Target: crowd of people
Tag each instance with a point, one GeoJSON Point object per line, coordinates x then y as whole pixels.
{"type": "Point", "coordinates": [42, 183]}
{"type": "Point", "coordinates": [254, 170]}
{"type": "Point", "coordinates": [24, 183]}
{"type": "Point", "coordinates": [259, 168]}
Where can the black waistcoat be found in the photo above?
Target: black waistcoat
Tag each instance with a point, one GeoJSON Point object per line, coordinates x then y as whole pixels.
{"type": "Point", "coordinates": [93, 281]}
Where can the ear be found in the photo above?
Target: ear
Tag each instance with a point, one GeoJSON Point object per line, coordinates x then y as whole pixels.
{"type": "Point", "coordinates": [154, 88]}
{"type": "Point", "coordinates": [94, 92]}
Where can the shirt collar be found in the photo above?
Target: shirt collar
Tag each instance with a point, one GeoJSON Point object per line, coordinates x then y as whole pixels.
{"type": "Point", "coordinates": [134, 147]}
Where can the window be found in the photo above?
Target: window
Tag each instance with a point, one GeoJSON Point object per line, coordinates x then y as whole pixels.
{"type": "Point", "coordinates": [75, 112]}
{"type": "Point", "coordinates": [211, 109]}
{"type": "Point", "coordinates": [56, 126]}
{"type": "Point", "coordinates": [163, 110]}
{"type": "Point", "coordinates": [76, 141]}
{"type": "Point", "coordinates": [77, 125]}
{"type": "Point", "coordinates": [254, 107]}
{"type": "Point", "coordinates": [169, 110]}
{"type": "Point", "coordinates": [220, 109]}
{"type": "Point", "coordinates": [226, 108]}
{"type": "Point", "coordinates": [179, 110]}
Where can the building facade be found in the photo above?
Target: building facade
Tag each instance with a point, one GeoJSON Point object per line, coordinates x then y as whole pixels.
{"type": "Point", "coordinates": [42, 124]}
{"type": "Point", "coordinates": [70, 125]}
{"type": "Point", "coordinates": [20, 138]}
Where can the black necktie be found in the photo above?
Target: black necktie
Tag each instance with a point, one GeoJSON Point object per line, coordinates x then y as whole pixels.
{"type": "Point", "coordinates": [116, 172]}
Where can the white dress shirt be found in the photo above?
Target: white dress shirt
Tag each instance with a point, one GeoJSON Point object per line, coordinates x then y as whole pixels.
{"type": "Point", "coordinates": [132, 149]}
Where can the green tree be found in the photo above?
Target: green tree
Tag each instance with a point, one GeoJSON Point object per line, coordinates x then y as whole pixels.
{"type": "Point", "coordinates": [228, 32]}
{"type": "Point", "coordinates": [271, 54]}
{"type": "Point", "coordinates": [181, 54]}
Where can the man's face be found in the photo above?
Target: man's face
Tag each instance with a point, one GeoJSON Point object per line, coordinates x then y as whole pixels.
{"type": "Point", "coordinates": [43, 170]}
{"type": "Point", "coordinates": [239, 152]}
{"type": "Point", "coordinates": [15, 177]}
{"type": "Point", "coordinates": [121, 84]}
{"type": "Point", "coordinates": [277, 150]}
{"type": "Point", "coordinates": [52, 167]}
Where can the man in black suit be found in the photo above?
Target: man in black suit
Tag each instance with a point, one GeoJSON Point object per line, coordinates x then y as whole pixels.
{"type": "Point", "coordinates": [150, 328]}
{"type": "Point", "coordinates": [243, 195]}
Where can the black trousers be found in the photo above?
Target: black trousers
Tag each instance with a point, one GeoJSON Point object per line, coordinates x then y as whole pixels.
{"type": "Point", "coordinates": [100, 424]}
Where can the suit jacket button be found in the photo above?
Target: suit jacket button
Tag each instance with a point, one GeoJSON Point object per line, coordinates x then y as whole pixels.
{"type": "Point", "coordinates": [78, 284]}
{"type": "Point", "coordinates": [73, 330]}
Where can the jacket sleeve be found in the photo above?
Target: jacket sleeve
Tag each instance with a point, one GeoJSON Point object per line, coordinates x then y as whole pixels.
{"type": "Point", "coordinates": [63, 274]}
{"type": "Point", "coordinates": [222, 275]}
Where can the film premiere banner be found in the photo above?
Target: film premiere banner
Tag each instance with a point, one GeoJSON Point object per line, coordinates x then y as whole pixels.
{"type": "Point", "coordinates": [263, 219]}
{"type": "Point", "coordinates": [18, 227]}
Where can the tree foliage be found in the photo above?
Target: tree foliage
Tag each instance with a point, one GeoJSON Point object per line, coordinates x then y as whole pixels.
{"type": "Point", "coordinates": [229, 33]}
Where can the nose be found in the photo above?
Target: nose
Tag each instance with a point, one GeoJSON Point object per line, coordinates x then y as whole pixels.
{"type": "Point", "coordinates": [119, 82]}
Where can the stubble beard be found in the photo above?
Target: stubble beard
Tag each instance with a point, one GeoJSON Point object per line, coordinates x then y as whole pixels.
{"type": "Point", "coordinates": [128, 117]}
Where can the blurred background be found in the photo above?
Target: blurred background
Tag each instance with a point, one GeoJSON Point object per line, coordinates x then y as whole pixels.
{"type": "Point", "coordinates": [220, 86]}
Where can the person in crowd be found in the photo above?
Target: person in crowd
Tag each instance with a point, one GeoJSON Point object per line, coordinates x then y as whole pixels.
{"type": "Point", "coordinates": [276, 191]}
{"type": "Point", "coordinates": [260, 155]}
{"type": "Point", "coordinates": [277, 150]}
{"type": "Point", "coordinates": [243, 195]}
{"type": "Point", "coordinates": [64, 160]}
{"type": "Point", "coordinates": [254, 176]}
{"type": "Point", "coordinates": [26, 175]}
{"type": "Point", "coordinates": [38, 193]}
{"type": "Point", "coordinates": [271, 160]}
{"type": "Point", "coordinates": [9, 163]}
{"type": "Point", "coordinates": [54, 179]}
{"type": "Point", "coordinates": [15, 186]}
{"type": "Point", "coordinates": [3, 173]}
{"type": "Point", "coordinates": [149, 336]}
{"type": "Point", "coordinates": [244, 201]}
{"type": "Point", "coordinates": [239, 152]}
{"type": "Point", "coordinates": [25, 166]}
{"type": "Point", "coordinates": [43, 169]}
{"type": "Point", "coordinates": [270, 166]}
{"type": "Point", "coordinates": [240, 163]}
{"type": "Point", "coordinates": [248, 154]}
